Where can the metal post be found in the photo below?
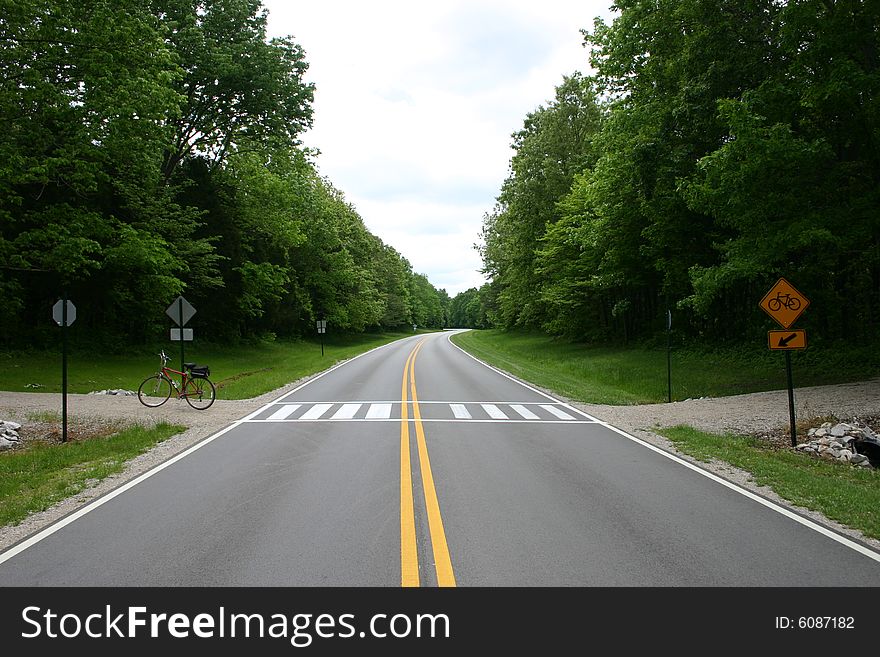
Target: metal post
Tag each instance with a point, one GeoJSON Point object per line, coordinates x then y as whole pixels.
{"type": "Point", "coordinates": [790, 399]}
{"type": "Point", "coordinates": [180, 316]}
{"type": "Point", "coordinates": [669, 355]}
{"type": "Point", "coordinates": [64, 368]}
{"type": "Point", "coordinates": [322, 343]}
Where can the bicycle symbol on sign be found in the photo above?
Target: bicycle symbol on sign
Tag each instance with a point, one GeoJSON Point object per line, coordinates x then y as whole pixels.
{"type": "Point", "coordinates": [781, 301]}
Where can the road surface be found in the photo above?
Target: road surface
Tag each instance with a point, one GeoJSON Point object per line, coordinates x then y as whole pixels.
{"type": "Point", "coordinates": [416, 465]}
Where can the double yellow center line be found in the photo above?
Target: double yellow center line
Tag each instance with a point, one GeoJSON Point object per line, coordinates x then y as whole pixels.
{"type": "Point", "coordinates": [409, 559]}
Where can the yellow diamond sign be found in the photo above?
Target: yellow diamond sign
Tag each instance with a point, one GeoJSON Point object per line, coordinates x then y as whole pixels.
{"type": "Point", "coordinates": [784, 303]}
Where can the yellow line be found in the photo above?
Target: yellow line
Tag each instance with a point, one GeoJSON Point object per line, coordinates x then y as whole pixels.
{"type": "Point", "coordinates": [442, 562]}
{"type": "Point", "coordinates": [409, 558]}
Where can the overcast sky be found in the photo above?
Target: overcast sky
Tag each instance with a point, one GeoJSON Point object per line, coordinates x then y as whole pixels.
{"type": "Point", "coordinates": [415, 104]}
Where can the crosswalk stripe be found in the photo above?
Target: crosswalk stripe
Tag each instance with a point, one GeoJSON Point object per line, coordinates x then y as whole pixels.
{"type": "Point", "coordinates": [459, 411]}
{"type": "Point", "coordinates": [524, 412]}
{"type": "Point", "coordinates": [315, 412]}
{"type": "Point", "coordinates": [284, 412]}
{"type": "Point", "coordinates": [558, 412]}
{"type": "Point", "coordinates": [346, 412]}
{"type": "Point", "coordinates": [379, 412]}
{"type": "Point", "coordinates": [494, 412]}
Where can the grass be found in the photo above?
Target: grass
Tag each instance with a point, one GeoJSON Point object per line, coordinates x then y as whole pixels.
{"type": "Point", "coordinates": [239, 372]}
{"type": "Point", "coordinates": [638, 375]}
{"type": "Point", "coordinates": [849, 495]}
{"type": "Point", "coordinates": [40, 474]}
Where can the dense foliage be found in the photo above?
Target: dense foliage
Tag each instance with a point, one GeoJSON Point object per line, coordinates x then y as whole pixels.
{"type": "Point", "coordinates": [152, 148]}
{"type": "Point", "coordinates": [719, 146]}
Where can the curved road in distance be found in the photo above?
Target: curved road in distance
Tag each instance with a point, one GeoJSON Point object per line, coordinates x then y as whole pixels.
{"type": "Point", "coordinates": [416, 465]}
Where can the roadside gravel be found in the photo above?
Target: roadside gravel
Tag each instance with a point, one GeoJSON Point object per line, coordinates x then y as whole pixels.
{"type": "Point", "coordinates": [752, 413]}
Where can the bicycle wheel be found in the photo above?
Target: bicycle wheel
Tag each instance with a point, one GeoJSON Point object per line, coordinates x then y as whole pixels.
{"type": "Point", "coordinates": [199, 393]}
{"type": "Point", "coordinates": [794, 304]}
{"type": "Point", "coordinates": [154, 391]}
{"type": "Point", "coordinates": [774, 305]}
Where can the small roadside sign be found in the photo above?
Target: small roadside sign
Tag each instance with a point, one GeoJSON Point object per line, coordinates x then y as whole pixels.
{"type": "Point", "coordinates": [792, 339]}
{"type": "Point", "coordinates": [321, 325]}
{"type": "Point", "coordinates": [64, 314]}
{"type": "Point", "coordinates": [58, 313]}
{"type": "Point", "coordinates": [784, 303]}
{"type": "Point", "coordinates": [187, 334]}
{"type": "Point", "coordinates": [180, 311]}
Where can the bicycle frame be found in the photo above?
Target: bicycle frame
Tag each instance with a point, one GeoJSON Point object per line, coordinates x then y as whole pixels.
{"type": "Point", "coordinates": [184, 377]}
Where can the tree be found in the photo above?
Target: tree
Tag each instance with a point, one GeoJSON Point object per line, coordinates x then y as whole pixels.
{"type": "Point", "coordinates": [84, 92]}
{"type": "Point", "coordinates": [554, 145]}
{"type": "Point", "coordinates": [240, 90]}
{"type": "Point", "coordinates": [795, 182]}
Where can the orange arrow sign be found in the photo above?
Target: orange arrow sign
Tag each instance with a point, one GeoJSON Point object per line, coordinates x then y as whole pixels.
{"type": "Point", "coordinates": [793, 339]}
{"type": "Point", "coordinates": [784, 303]}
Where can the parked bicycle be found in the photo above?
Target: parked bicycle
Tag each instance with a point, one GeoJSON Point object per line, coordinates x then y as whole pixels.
{"type": "Point", "coordinates": [195, 386]}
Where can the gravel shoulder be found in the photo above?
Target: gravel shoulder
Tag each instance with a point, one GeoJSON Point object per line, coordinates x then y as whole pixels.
{"type": "Point", "coordinates": [752, 413]}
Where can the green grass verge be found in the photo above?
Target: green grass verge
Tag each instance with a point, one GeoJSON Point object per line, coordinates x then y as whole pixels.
{"type": "Point", "coordinates": [638, 375]}
{"type": "Point", "coordinates": [239, 372]}
{"type": "Point", "coordinates": [849, 495]}
{"type": "Point", "coordinates": [36, 476]}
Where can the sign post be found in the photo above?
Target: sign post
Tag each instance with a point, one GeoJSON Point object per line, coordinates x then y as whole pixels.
{"type": "Point", "coordinates": [785, 304]}
{"type": "Point", "coordinates": [669, 355]}
{"type": "Point", "coordinates": [64, 314]}
{"type": "Point", "coordinates": [181, 311]}
{"type": "Point", "coordinates": [322, 329]}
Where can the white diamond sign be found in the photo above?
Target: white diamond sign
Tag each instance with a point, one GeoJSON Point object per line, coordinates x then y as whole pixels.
{"type": "Point", "coordinates": [180, 311]}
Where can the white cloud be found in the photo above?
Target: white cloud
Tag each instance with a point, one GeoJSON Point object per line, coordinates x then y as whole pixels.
{"type": "Point", "coordinates": [415, 105]}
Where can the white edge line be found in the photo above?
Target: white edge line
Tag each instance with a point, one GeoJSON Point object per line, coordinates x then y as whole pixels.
{"type": "Point", "coordinates": [843, 540]}
{"type": "Point", "coordinates": [91, 506]}
{"type": "Point", "coordinates": [94, 504]}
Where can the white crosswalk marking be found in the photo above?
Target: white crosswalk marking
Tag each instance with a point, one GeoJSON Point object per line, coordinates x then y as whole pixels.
{"type": "Point", "coordinates": [460, 412]}
{"type": "Point", "coordinates": [432, 411]}
{"type": "Point", "coordinates": [315, 412]}
{"type": "Point", "coordinates": [524, 412]}
{"type": "Point", "coordinates": [284, 412]}
{"type": "Point", "coordinates": [494, 412]}
{"type": "Point", "coordinates": [379, 412]}
{"type": "Point", "coordinates": [346, 412]}
{"type": "Point", "coordinates": [558, 412]}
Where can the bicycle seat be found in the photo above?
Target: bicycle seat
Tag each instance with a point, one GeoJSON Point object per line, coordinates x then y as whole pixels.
{"type": "Point", "coordinates": [189, 366]}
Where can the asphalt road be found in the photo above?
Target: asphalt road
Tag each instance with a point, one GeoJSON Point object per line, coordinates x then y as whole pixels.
{"type": "Point", "coordinates": [414, 464]}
